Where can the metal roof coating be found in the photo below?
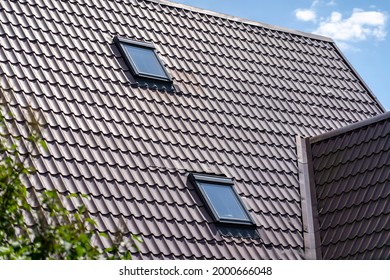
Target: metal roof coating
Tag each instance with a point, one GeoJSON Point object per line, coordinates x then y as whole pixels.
{"type": "Point", "coordinates": [241, 93]}
{"type": "Point", "coordinates": [352, 177]}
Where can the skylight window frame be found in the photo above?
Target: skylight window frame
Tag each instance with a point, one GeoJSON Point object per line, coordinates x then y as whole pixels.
{"type": "Point", "coordinates": [198, 179]}
{"type": "Point", "coordinates": [122, 42]}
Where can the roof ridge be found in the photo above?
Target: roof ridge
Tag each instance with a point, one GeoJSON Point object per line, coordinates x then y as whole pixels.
{"type": "Point", "coordinates": [242, 20]}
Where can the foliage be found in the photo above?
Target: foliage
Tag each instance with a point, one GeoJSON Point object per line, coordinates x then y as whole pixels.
{"type": "Point", "coordinates": [53, 232]}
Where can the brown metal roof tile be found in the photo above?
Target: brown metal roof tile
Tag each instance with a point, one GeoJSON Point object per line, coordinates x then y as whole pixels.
{"type": "Point", "coordinates": [351, 174]}
{"type": "Point", "coordinates": [359, 246]}
{"type": "Point", "coordinates": [357, 229]}
{"type": "Point", "coordinates": [242, 93]}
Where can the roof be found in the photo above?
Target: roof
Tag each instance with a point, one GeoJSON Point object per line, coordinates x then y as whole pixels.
{"type": "Point", "coordinates": [241, 93]}
{"type": "Point", "coordinates": [352, 179]}
{"type": "Point", "coordinates": [242, 20]}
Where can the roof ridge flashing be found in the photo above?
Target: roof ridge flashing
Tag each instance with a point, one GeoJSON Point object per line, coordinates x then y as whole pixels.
{"type": "Point", "coordinates": [241, 20]}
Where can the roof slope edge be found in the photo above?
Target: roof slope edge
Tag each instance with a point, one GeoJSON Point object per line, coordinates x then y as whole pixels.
{"type": "Point", "coordinates": [356, 73]}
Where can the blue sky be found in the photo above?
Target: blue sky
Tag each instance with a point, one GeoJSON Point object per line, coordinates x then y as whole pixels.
{"type": "Point", "coordinates": [359, 27]}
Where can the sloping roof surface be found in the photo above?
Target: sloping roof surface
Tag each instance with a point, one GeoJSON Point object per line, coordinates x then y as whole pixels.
{"type": "Point", "coordinates": [242, 93]}
{"type": "Point", "coordinates": [352, 177]}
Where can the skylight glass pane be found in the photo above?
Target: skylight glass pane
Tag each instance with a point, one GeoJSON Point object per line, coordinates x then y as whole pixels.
{"type": "Point", "coordinates": [145, 60]}
{"type": "Point", "coordinates": [224, 201]}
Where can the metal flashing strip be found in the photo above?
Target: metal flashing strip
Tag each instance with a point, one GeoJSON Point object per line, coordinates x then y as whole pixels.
{"type": "Point", "coordinates": [311, 228]}
{"type": "Point", "coordinates": [351, 127]}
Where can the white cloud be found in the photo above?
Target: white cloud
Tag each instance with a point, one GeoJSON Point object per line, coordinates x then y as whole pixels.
{"type": "Point", "coordinates": [315, 3]}
{"type": "Point", "coordinates": [361, 25]}
{"type": "Point", "coordinates": [336, 17]}
{"type": "Point", "coordinates": [331, 3]}
{"type": "Point", "coordinates": [347, 47]}
{"type": "Point", "coordinates": [305, 15]}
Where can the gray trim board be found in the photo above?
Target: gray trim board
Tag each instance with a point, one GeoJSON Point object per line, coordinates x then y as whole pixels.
{"type": "Point", "coordinates": [311, 229]}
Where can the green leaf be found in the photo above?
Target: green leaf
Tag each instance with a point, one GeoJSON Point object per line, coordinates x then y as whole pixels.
{"type": "Point", "coordinates": [57, 233]}
{"type": "Point", "coordinates": [4, 250]}
{"type": "Point", "coordinates": [72, 195]}
{"type": "Point", "coordinates": [43, 144]}
{"type": "Point", "coordinates": [137, 238]}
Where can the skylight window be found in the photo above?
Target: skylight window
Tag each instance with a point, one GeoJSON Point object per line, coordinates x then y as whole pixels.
{"type": "Point", "coordinates": [142, 59]}
{"type": "Point", "coordinates": [221, 199]}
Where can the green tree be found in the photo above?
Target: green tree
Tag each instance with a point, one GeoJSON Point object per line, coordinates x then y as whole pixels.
{"type": "Point", "coordinates": [57, 233]}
